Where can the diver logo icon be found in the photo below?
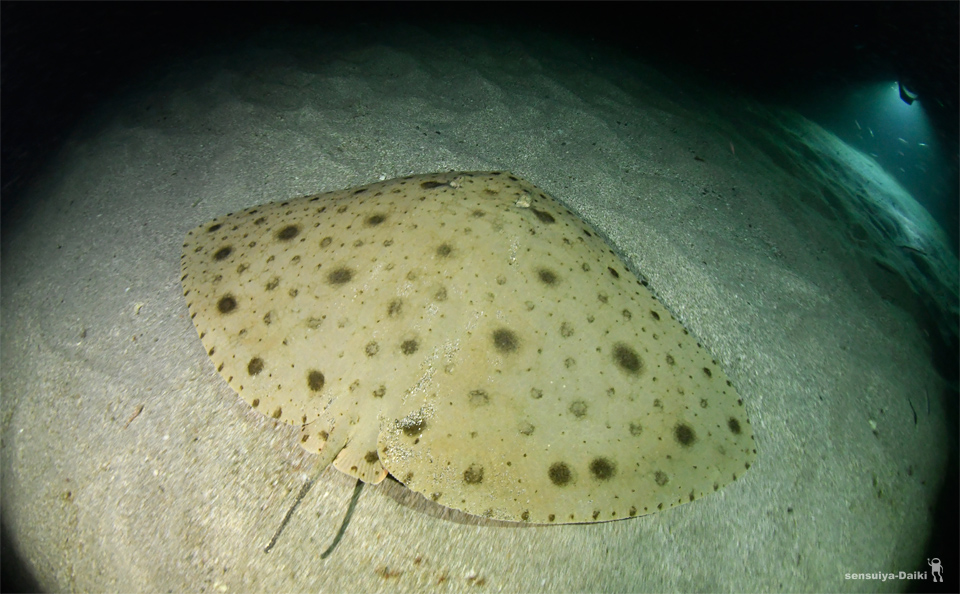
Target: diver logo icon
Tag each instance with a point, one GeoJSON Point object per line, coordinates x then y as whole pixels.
{"type": "Point", "coordinates": [936, 569]}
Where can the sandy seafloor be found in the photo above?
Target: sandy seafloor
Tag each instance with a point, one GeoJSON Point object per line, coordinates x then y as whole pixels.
{"type": "Point", "coordinates": [762, 232]}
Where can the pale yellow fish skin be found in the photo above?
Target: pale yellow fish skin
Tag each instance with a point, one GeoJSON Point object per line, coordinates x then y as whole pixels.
{"type": "Point", "coordinates": [470, 335]}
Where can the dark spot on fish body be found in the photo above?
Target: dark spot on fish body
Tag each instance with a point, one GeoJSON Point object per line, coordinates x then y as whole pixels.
{"type": "Point", "coordinates": [734, 425]}
{"type": "Point", "coordinates": [547, 276]}
{"type": "Point", "coordinates": [288, 232]}
{"type": "Point", "coordinates": [545, 217]}
{"type": "Point", "coordinates": [412, 427]}
{"type": "Point", "coordinates": [473, 475]}
{"type": "Point", "coordinates": [602, 468]}
{"type": "Point", "coordinates": [226, 304]}
{"type": "Point", "coordinates": [394, 308]}
{"type": "Point", "coordinates": [578, 408]}
{"type": "Point", "coordinates": [479, 398]}
{"type": "Point", "coordinates": [626, 358]}
{"type": "Point", "coordinates": [505, 341]}
{"type": "Point", "coordinates": [315, 380]}
{"type": "Point", "coordinates": [684, 434]}
{"type": "Point", "coordinates": [559, 474]}
{"type": "Point", "coordinates": [340, 276]}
